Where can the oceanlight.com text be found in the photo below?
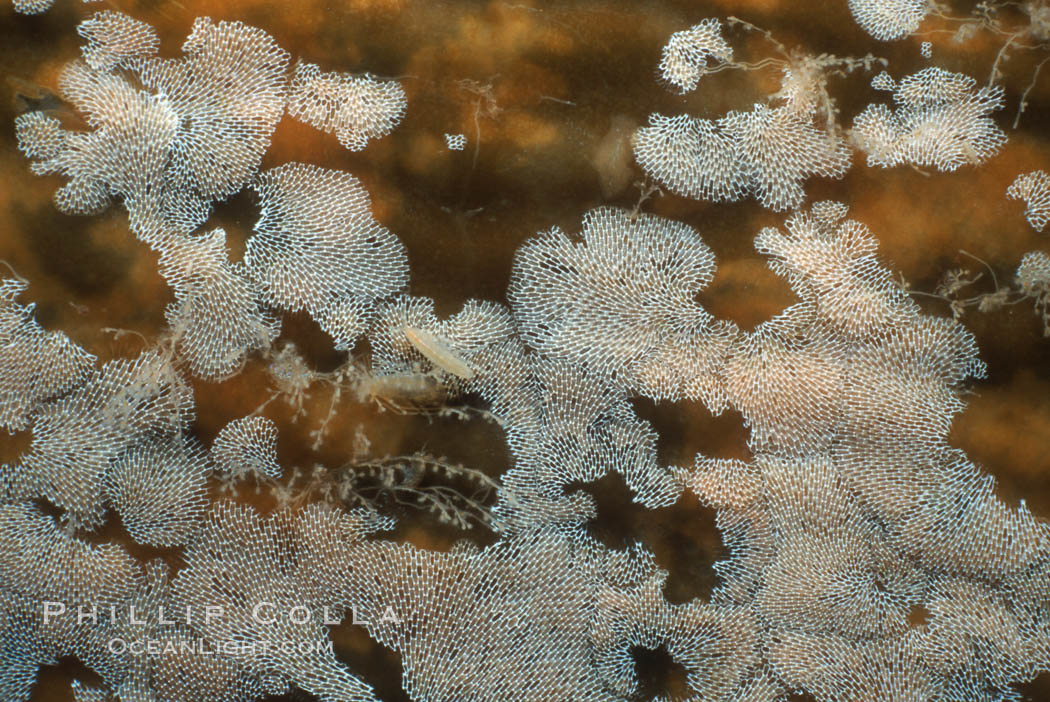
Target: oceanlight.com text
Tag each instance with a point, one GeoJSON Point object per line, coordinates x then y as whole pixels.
{"type": "Point", "coordinates": [204, 647]}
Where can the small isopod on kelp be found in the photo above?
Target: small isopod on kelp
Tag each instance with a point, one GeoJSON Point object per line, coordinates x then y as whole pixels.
{"type": "Point", "coordinates": [437, 352]}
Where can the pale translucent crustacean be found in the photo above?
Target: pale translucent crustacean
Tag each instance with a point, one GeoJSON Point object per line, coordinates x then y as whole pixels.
{"type": "Point", "coordinates": [437, 352]}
